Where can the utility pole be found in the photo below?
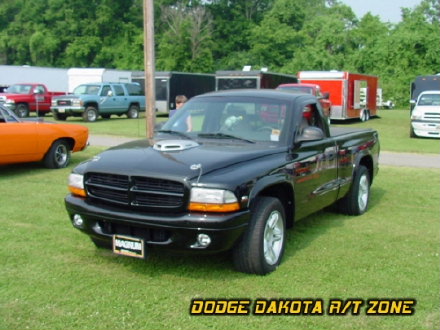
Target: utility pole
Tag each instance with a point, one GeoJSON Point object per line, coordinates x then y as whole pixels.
{"type": "Point", "coordinates": [149, 67]}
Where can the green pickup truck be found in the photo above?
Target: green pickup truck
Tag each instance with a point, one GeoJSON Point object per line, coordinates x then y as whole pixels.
{"type": "Point", "coordinates": [100, 99]}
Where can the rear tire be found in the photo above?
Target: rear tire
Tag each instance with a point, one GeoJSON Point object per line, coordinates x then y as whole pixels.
{"type": "Point", "coordinates": [133, 112]}
{"type": "Point", "coordinates": [357, 198]}
{"type": "Point", "coordinates": [90, 114]}
{"type": "Point", "coordinates": [58, 155]}
{"type": "Point", "coordinates": [261, 248]}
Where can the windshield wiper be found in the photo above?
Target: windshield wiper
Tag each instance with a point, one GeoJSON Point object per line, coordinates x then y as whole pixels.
{"type": "Point", "coordinates": [169, 131]}
{"type": "Point", "coordinates": [220, 135]}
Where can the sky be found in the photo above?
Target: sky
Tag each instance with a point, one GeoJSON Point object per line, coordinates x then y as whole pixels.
{"type": "Point", "coordinates": [388, 10]}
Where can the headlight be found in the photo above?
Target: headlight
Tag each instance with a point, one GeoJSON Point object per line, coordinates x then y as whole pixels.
{"type": "Point", "coordinates": [54, 102]}
{"type": "Point", "coordinates": [77, 103]}
{"type": "Point", "coordinates": [9, 101]}
{"type": "Point", "coordinates": [416, 115]}
{"type": "Point", "coordinates": [213, 200]}
{"type": "Point", "coordinates": [76, 184]}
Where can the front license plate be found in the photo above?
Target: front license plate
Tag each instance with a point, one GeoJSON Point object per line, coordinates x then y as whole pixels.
{"type": "Point", "coordinates": [128, 246]}
{"type": "Point", "coordinates": [61, 110]}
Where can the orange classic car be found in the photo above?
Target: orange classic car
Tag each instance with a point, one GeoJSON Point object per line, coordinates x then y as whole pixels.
{"type": "Point", "coordinates": [34, 140]}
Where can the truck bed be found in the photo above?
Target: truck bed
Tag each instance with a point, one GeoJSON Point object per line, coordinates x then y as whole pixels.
{"type": "Point", "coordinates": [338, 131]}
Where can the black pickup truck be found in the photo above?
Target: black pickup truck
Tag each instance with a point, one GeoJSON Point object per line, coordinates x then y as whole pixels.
{"type": "Point", "coordinates": [229, 171]}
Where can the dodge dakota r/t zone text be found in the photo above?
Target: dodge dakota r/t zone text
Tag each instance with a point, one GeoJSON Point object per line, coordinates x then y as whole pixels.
{"type": "Point", "coordinates": [251, 163]}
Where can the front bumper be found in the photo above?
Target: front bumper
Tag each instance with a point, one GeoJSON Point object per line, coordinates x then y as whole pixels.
{"type": "Point", "coordinates": [177, 233]}
{"type": "Point", "coordinates": [426, 129]}
{"type": "Point", "coordinates": [69, 110]}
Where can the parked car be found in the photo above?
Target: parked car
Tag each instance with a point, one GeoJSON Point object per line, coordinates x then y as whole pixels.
{"type": "Point", "coordinates": [26, 98]}
{"type": "Point", "coordinates": [313, 89]}
{"type": "Point", "coordinates": [425, 116]}
{"type": "Point", "coordinates": [100, 99]}
{"type": "Point", "coordinates": [34, 140]}
{"type": "Point", "coordinates": [235, 181]}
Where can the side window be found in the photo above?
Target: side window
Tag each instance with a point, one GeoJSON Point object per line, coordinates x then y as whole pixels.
{"type": "Point", "coordinates": [105, 90]}
{"type": "Point", "coordinates": [134, 89]}
{"type": "Point", "coordinates": [119, 90]}
{"type": "Point", "coordinates": [311, 116]}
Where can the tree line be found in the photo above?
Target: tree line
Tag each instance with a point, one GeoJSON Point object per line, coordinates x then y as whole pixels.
{"type": "Point", "coordinates": [284, 36]}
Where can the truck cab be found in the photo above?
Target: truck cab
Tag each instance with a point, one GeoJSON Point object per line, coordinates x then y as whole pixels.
{"type": "Point", "coordinates": [425, 116]}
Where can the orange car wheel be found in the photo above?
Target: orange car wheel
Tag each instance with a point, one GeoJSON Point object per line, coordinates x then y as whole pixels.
{"type": "Point", "coordinates": [58, 155]}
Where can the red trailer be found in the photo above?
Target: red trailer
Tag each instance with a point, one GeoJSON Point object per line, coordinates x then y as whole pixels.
{"type": "Point", "coordinates": [352, 95]}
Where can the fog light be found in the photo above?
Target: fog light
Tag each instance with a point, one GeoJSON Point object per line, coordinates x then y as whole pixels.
{"type": "Point", "coordinates": [203, 240]}
{"type": "Point", "coordinates": [78, 221]}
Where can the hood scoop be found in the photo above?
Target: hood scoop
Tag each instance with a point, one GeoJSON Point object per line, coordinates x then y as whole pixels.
{"type": "Point", "coordinates": [174, 145]}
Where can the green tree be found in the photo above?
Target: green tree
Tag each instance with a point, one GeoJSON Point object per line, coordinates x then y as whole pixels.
{"type": "Point", "coordinates": [185, 45]}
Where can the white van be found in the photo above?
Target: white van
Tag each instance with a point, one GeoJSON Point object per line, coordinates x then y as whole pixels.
{"type": "Point", "coordinates": [425, 117]}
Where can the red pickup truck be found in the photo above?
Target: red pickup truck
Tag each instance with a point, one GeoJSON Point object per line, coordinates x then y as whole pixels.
{"type": "Point", "coordinates": [23, 98]}
{"type": "Point", "coordinates": [310, 89]}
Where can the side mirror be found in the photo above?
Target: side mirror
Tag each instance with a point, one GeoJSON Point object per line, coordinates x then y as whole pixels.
{"type": "Point", "coordinates": [413, 102]}
{"type": "Point", "coordinates": [311, 133]}
{"type": "Point", "coordinates": [109, 93]}
{"type": "Point", "coordinates": [37, 91]}
{"type": "Point", "coordinates": [326, 95]}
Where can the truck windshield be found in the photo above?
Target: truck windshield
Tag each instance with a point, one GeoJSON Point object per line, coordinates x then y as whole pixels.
{"type": "Point", "coordinates": [19, 89]}
{"type": "Point", "coordinates": [429, 99]}
{"type": "Point", "coordinates": [86, 89]}
{"type": "Point", "coordinates": [239, 118]}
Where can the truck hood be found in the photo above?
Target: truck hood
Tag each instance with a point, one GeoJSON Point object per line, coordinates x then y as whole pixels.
{"type": "Point", "coordinates": [143, 157]}
{"type": "Point", "coordinates": [4, 96]}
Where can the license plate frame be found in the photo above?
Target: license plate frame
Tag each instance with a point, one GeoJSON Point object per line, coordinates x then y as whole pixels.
{"type": "Point", "coordinates": [129, 246]}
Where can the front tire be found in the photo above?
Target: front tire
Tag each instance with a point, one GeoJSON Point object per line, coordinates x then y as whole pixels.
{"type": "Point", "coordinates": [357, 198]}
{"type": "Point", "coordinates": [90, 114]}
{"type": "Point", "coordinates": [58, 155]}
{"type": "Point", "coordinates": [261, 248]}
{"type": "Point", "coordinates": [22, 110]}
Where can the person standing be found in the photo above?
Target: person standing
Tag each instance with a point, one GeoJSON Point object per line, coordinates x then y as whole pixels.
{"type": "Point", "coordinates": [180, 101]}
{"type": "Point", "coordinates": [183, 124]}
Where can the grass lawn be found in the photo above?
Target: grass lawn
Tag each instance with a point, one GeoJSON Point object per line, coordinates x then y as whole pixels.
{"type": "Point", "coordinates": [52, 276]}
{"type": "Point", "coordinates": [393, 127]}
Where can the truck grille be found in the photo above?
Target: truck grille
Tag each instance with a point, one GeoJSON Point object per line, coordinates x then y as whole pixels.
{"type": "Point", "coordinates": [64, 102]}
{"type": "Point", "coordinates": [148, 234]}
{"type": "Point", "coordinates": [431, 116]}
{"type": "Point", "coordinates": [135, 192]}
